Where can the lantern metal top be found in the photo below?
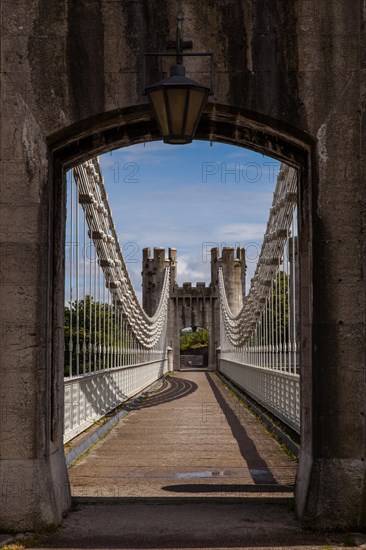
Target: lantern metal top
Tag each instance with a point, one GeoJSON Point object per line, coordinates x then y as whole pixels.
{"type": "Point", "coordinates": [177, 78]}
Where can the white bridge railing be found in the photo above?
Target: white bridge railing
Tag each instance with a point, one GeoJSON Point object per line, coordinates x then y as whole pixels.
{"type": "Point", "coordinates": [90, 397]}
{"type": "Point", "coordinates": [259, 345]}
{"type": "Point", "coordinates": [113, 349]}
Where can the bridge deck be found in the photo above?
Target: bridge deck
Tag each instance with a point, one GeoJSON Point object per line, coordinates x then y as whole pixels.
{"type": "Point", "coordinates": [190, 468]}
{"type": "Point", "coordinates": [192, 438]}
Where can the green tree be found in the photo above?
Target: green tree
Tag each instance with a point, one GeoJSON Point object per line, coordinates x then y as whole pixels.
{"type": "Point", "coordinates": [194, 340]}
{"type": "Point", "coordinates": [96, 325]}
{"type": "Point", "coordinates": [277, 313]}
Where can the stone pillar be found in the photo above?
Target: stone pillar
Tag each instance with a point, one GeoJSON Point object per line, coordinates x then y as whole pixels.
{"type": "Point", "coordinates": [173, 266]}
{"type": "Point", "coordinates": [33, 477]}
{"type": "Point", "coordinates": [218, 358]}
{"type": "Point", "coordinates": [173, 330]}
{"type": "Point", "coordinates": [170, 359]}
{"type": "Point", "coordinates": [331, 478]}
{"type": "Point", "coordinates": [215, 252]}
{"type": "Point", "coordinates": [233, 269]}
{"type": "Point", "coordinates": [214, 310]}
{"type": "Point", "coordinates": [153, 273]}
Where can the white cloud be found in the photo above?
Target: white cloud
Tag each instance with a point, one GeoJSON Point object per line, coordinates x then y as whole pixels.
{"type": "Point", "coordinates": [240, 232]}
{"type": "Point", "coordinates": [151, 153]}
{"type": "Point", "coordinates": [190, 271]}
{"type": "Point", "coordinates": [171, 206]}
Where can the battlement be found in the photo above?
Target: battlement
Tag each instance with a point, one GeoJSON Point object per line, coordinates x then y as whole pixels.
{"type": "Point", "coordinates": [200, 290]}
{"type": "Point", "coordinates": [153, 275]}
{"type": "Point", "coordinates": [197, 285]}
{"type": "Point", "coordinates": [231, 255]}
{"type": "Point", "coordinates": [159, 255]}
{"type": "Point", "coordinates": [232, 262]}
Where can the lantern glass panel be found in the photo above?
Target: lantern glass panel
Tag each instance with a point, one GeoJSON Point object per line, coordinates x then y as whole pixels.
{"type": "Point", "coordinates": [157, 99]}
{"type": "Point", "coordinates": [177, 99]}
{"type": "Point", "coordinates": [196, 102]}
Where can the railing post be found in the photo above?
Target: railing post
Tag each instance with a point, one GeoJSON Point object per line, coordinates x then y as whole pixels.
{"type": "Point", "coordinates": [218, 358]}
{"type": "Point", "coordinates": [170, 357]}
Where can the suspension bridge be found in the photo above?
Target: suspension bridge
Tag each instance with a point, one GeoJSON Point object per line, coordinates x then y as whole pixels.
{"type": "Point", "coordinates": [288, 82]}
{"type": "Point", "coordinates": [114, 348]}
{"type": "Point", "coordinates": [179, 435]}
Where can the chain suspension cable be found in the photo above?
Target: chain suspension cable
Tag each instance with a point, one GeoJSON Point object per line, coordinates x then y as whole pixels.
{"type": "Point", "coordinates": [108, 327]}
{"type": "Point", "coordinates": [263, 335]}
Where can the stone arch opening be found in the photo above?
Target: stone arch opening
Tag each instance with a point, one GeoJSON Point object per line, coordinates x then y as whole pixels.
{"type": "Point", "coordinates": [220, 123]}
{"type": "Point", "coordinates": [194, 343]}
{"type": "Point", "coordinates": [298, 62]}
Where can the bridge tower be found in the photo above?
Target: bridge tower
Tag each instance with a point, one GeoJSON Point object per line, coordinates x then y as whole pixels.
{"type": "Point", "coordinates": [153, 271]}
{"type": "Point", "coordinates": [234, 271]}
{"type": "Point", "coordinates": [193, 305]}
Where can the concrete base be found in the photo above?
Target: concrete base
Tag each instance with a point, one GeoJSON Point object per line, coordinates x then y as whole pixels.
{"type": "Point", "coordinates": [45, 493]}
{"type": "Point", "coordinates": [324, 507]}
{"type": "Point", "coordinates": [202, 525]}
{"type": "Point", "coordinates": [5, 539]}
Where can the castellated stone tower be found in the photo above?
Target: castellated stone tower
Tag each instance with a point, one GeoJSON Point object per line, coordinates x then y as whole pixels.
{"type": "Point", "coordinates": [234, 271]}
{"type": "Point", "coordinates": [193, 306]}
{"type": "Point", "coordinates": [153, 271]}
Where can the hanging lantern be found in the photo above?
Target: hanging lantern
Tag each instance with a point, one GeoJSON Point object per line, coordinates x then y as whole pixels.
{"type": "Point", "coordinates": [178, 103]}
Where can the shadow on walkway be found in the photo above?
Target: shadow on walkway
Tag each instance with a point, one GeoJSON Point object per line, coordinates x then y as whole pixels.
{"type": "Point", "coordinates": [151, 525]}
{"type": "Point", "coordinates": [193, 369]}
{"type": "Point", "coordinates": [257, 465]}
{"type": "Point", "coordinates": [131, 495]}
{"type": "Point", "coordinates": [171, 390]}
{"type": "Point", "coordinates": [228, 488]}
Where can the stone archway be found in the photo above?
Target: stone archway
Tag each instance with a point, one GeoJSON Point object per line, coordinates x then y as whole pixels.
{"type": "Point", "coordinates": [289, 85]}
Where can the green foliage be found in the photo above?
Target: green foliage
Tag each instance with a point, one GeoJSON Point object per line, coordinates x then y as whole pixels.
{"type": "Point", "coordinates": [194, 340]}
{"type": "Point", "coordinates": [98, 331]}
{"type": "Point", "coordinates": [277, 314]}
{"type": "Point", "coordinates": [349, 541]}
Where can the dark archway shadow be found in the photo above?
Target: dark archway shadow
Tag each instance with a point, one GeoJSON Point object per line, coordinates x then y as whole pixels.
{"type": "Point", "coordinates": [225, 489]}
{"type": "Point", "coordinates": [177, 523]}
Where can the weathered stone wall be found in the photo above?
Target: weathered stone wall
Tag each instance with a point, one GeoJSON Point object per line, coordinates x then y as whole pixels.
{"type": "Point", "coordinates": [290, 81]}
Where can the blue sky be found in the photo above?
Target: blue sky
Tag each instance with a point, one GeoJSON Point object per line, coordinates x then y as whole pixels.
{"type": "Point", "coordinates": [188, 197]}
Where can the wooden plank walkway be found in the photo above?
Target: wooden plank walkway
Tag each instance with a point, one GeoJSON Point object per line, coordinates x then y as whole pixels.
{"type": "Point", "coordinates": [189, 468]}
{"type": "Point", "coordinates": [192, 438]}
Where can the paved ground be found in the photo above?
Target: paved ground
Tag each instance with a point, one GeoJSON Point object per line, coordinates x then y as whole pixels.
{"type": "Point", "coordinates": [189, 468]}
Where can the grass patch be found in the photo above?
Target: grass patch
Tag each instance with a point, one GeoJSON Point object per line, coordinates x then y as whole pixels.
{"type": "Point", "coordinates": [32, 540]}
{"type": "Point", "coordinates": [349, 542]}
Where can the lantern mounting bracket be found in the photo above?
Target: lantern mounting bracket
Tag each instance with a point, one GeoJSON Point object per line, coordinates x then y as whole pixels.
{"type": "Point", "coordinates": [179, 45]}
{"type": "Point", "coordinates": [211, 55]}
{"type": "Point", "coordinates": [178, 101]}
{"type": "Point", "coordinates": [184, 45]}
